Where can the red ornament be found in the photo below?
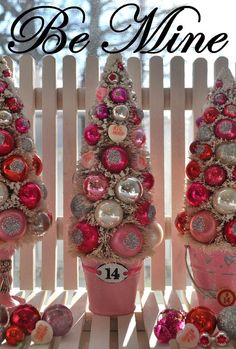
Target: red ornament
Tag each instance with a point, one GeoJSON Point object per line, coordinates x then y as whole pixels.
{"type": "Point", "coordinates": [15, 168]}
{"type": "Point", "coordinates": [225, 129]}
{"type": "Point", "coordinates": [145, 213]}
{"type": "Point", "coordinates": [25, 317]}
{"type": "Point", "coordinates": [6, 142]}
{"type": "Point", "coordinates": [30, 195]}
{"type": "Point", "coordinates": [3, 86]}
{"type": "Point", "coordinates": [13, 104]}
{"type": "Point", "coordinates": [219, 83]}
{"type": "Point", "coordinates": [37, 165]}
{"type": "Point", "coordinates": [222, 339]}
{"type": "Point", "coordinates": [148, 180]}
{"type": "Point", "coordinates": [210, 114]}
{"type": "Point", "coordinates": [214, 175]}
{"type": "Point", "coordinates": [202, 151]}
{"type": "Point", "coordinates": [84, 236]}
{"type": "Point", "coordinates": [193, 169]}
{"type": "Point", "coordinates": [230, 231]}
{"type": "Point", "coordinates": [92, 134]}
{"type": "Point", "coordinates": [95, 186]}
{"type": "Point", "coordinates": [181, 222]}
{"type": "Point", "coordinates": [14, 335]}
{"type": "Point", "coordinates": [120, 66]}
{"type": "Point", "coordinates": [205, 340]}
{"type": "Point", "coordinates": [220, 99]}
{"type": "Point", "coordinates": [115, 158]}
{"type": "Point", "coordinates": [203, 318]}
{"type": "Point", "coordinates": [226, 297]}
{"type": "Point", "coordinates": [22, 125]}
{"type": "Point", "coordinates": [196, 194]}
{"type": "Point", "coordinates": [6, 73]}
{"type": "Point", "coordinates": [230, 110]}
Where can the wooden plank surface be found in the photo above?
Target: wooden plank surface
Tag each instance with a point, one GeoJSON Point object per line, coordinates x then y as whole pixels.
{"type": "Point", "coordinates": [100, 332]}
{"type": "Point", "coordinates": [127, 332]}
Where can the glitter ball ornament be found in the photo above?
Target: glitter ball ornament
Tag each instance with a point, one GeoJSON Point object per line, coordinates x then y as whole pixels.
{"type": "Point", "coordinates": [147, 180]}
{"type": "Point", "coordinates": [6, 142]}
{"type": "Point", "coordinates": [108, 214]}
{"type": "Point", "coordinates": [202, 151]}
{"type": "Point", "coordinates": [80, 206]}
{"type": "Point", "coordinates": [230, 110]}
{"type": "Point", "coordinates": [210, 114]}
{"type": "Point", "coordinates": [15, 168]}
{"type": "Point", "coordinates": [204, 133]}
{"type": "Point", "coordinates": [101, 111]}
{"type": "Point", "coordinates": [37, 165]}
{"type": "Point", "coordinates": [225, 152]}
{"type": "Point", "coordinates": [181, 222]}
{"type": "Point", "coordinates": [5, 118]}
{"type": "Point", "coordinates": [27, 144]}
{"type": "Point", "coordinates": [30, 195]}
{"type": "Point", "coordinates": [25, 317]}
{"type": "Point", "coordinates": [115, 159]}
{"type": "Point", "coordinates": [220, 99]}
{"type": "Point", "coordinates": [12, 224]}
{"type": "Point", "coordinates": [230, 231]}
{"type": "Point", "coordinates": [193, 169]}
{"type": "Point", "coordinates": [127, 241]}
{"type": "Point", "coordinates": [196, 194]}
{"type": "Point", "coordinates": [14, 335]}
{"type": "Point", "coordinates": [22, 125]}
{"type": "Point", "coordinates": [41, 222]}
{"type": "Point", "coordinates": [224, 200]}
{"type": "Point", "coordinates": [60, 318]}
{"type": "Point", "coordinates": [101, 93]}
{"type": "Point", "coordinates": [214, 175]}
{"type": "Point", "coordinates": [225, 129]}
{"type": "Point", "coordinates": [84, 236]}
{"type": "Point", "coordinates": [129, 190]}
{"type": "Point", "coordinates": [13, 104]}
{"type": "Point", "coordinates": [203, 226]}
{"type": "Point", "coordinates": [119, 95]}
{"type": "Point", "coordinates": [226, 321]}
{"type": "Point", "coordinates": [3, 86]}
{"type": "Point", "coordinates": [203, 318]}
{"type": "Point", "coordinates": [145, 213]}
{"type": "Point", "coordinates": [92, 134]}
{"type": "Point", "coordinates": [170, 321]}
{"type": "Point", "coordinates": [120, 112]}
{"type": "Point", "coordinates": [95, 186]}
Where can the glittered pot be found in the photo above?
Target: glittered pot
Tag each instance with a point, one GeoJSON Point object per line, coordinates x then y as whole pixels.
{"type": "Point", "coordinates": [111, 287]}
{"type": "Point", "coordinates": [214, 277]}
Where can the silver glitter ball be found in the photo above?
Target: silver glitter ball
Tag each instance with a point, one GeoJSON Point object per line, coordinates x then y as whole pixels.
{"type": "Point", "coordinates": [5, 118]}
{"type": "Point", "coordinates": [204, 133]}
{"type": "Point", "coordinates": [41, 223]}
{"type": "Point", "coordinates": [226, 321]}
{"type": "Point", "coordinates": [27, 144]}
{"type": "Point", "coordinates": [226, 152]}
{"type": "Point", "coordinates": [80, 206]}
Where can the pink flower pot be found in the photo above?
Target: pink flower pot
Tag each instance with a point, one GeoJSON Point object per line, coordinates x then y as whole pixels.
{"type": "Point", "coordinates": [214, 277]}
{"type": "Point", "coordinates": [111, 287]}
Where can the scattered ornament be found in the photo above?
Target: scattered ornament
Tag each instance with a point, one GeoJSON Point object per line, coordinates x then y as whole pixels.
{"type": "Point", "coordinates": [170, 321]}
{"type": "Point", "coordinates": [6, 142]}
{"type": "Point", "coordinates": [25, 317]}
{"type": "Point", "coordinates": [230, 110]}
{"type": "Point", "coordinates": [43, 333]}
{"type": "Point", "coordinates": [37, 164]}
{"type": "Point", "coordinates": [215, 175]}
{"type": "Point", "coordinates": [5, 118]}
{"type": "Point", "coordinates": [120, 112]}
{"type": "Point", "coordinates": [60, 318]}
{"type": "Point", "coordinates": [225, 129]}
{"type": "Point", "coordinates": [101, 111]}
{"type": "Point", "coordinates": [13, 104]}
{"type": "Point", "coordinates": [80, 206]}
{"type": "Point", "coordinates": [210, 114]}
{"type": "Point", "coordinates": [224, 200]}
{"type": "Point", "coordinates": [226, 153]}
{"type": "Point", "coordinates": [101, 93]}
{"type": "Point", "coordinates": [14, 335]}
{"type": "Point", "coordinates": [226, 321]}
{"type": "Point", "coordinates": [230, 231]}
{"type": "Point", "coordinates": [117, 133]}
{"type": "Point", "coordinates": [193, 169]}
{"type": "Point", "coordinates": [148, 180]}
{"type": "Point", "coordinates": [203, 318]}
{"type": "Point", "coordinates": [188, 337]}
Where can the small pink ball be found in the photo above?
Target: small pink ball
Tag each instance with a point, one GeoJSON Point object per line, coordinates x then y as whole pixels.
{"type": "Point", "coordinates": [3, 86]}
{"type": "Point", "coordinates": [95, 186]}
{"type": "Point", "coordinates": [92, 134]}
{"type": "Point", "coordinates": [115, 159]}
{"type": "Point", "coordinates": [215, 175]}
{"type": "Point", "coordinates": [101, 93]}
{"type": "Point", "coordinates": [196, 194]}
{"type": "Point", "coordinates": [60, 318]}
{"type": "Point", "coordinates": [119, 95]}
{"type": "Point", "coordinates": [30, 195]}
{"type": "Point", "coordinates": [138, 137]}
{"type": "Point", "coordinates": [101, 111]}
{"type": "Point", "coordinates": [220, 99]}
{"type": "Point", "coordinates": [22, 125]}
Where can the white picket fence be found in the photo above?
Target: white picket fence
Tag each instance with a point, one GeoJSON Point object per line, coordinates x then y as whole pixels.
{"type": "Point", "coordinates": [70, 98]}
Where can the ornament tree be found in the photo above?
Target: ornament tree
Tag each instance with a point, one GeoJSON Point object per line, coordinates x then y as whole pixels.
{"type": "Point", "coordinates": [208, 222]}
{"type": "Point", "coordinates": [113, 226]}
{"type": "Point", "coordinates": [23, 215]}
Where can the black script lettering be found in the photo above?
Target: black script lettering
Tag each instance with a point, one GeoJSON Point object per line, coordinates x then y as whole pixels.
{"type": "Point", "coordinates": [44, 34]}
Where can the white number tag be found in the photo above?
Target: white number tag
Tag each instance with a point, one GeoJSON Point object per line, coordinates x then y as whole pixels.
{"type": "Point", "coordinates": [112, 272]}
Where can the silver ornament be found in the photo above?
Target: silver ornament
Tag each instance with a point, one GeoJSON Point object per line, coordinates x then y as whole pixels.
{"type": "Point", "coordinates": [41, 223]}
{"type": "Point", "coordinates": [3, 193]}
{"type": "Point", "coordinates": [120, 112]}
{"type": "Point", "coordinates": [129, 190]}
{"type": "Point", "coordinates": [108, 214]}
{"type": "Point", "coordinates": [27, 144]}
{"type": "Point", "coordinates": [204, 133]}
{"type": "Point", "coordinates": [226, 321]}
{"type": "Point", "coordinates": [224, 200]}
{"type": "Point", "coordinates": [226, 152]}
{"type": "Point", "coordinates": [80, 206]}
{"type": "Point", "coordinates": [5, 118]}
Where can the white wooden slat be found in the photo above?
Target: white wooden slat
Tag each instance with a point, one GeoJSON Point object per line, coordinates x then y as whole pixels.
{"type": "Point", "coordinates": [150, 310]}
{"type": "Point", "coordinates": [36, 298]}
{"type": "Point", "coordinates": [134, 70]}
{"type": "Point", "coordinates": [27, 252]}
{"type": "Point", "coordinates": [173, 301]}
{"type": "Point", "coordinates": [69, 162]}
{"type": "Point", "coordinates": [49, 110]}
{"type": "Point", "coordinates": [91, 82]}
{"type": "Point", "coordinates": [177, 95]}
{"type": "Point", "coordinates": [127, 332]}
{"type": "Point", "coordinates": [100, 332]}
{"type": "Point", "coordinates": [156, 97]}
{"type": "Point", "coordinates": [219, 64]}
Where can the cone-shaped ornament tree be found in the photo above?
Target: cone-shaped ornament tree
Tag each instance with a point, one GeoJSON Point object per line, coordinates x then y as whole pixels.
{"type": "Point", "coordinates": [113, 226]}
{"type": "Point", "coordinates": [208, 222]}
{"type": "Point", "coordinates": [23, 216]}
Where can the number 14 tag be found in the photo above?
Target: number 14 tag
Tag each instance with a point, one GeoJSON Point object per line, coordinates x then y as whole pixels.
{"type": "Point", "coordinates": [112, 272]}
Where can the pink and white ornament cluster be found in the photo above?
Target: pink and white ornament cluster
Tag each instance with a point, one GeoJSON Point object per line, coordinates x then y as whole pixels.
{"type": "Point", "coordinates": [112, 209]}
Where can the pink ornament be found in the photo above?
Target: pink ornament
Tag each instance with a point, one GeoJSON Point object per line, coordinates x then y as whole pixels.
{"type": "Point", "coordinates": [219, 83]}
{"type": "Point", "coordinates": [199, 121]}
{"type": "Point", "coordinates": [84, 236]}
{"type": "Point", "coordinates": [220, 99]}
{"type": "Point", "coordinates": [119, 95]}
{"type": "Point", "coordinates": [101, 111]}
{"type": "Point", "coordinates": [12, 224]}
{"type": "Point", "coordinates": [6, 142]}
{"type": "Point", "coordinates": [148, 180]}
{"type": "Point", "coordinates": [138, 137]}
{"type": "Point", "coordinates": [230, 231]}
{"type": "Point", "coordinates": [101, 93]}
{"type": "Point", "coordinates": [3, 86]}
{"type": "Point", "coordinates": [13, 104]}
{"type": "Point", "coordinates": [22, 125]}
{"type": "Point", "coordinates": [95, 186]}
{"type": "Point", "coordinates": [181, 221]}
{"type": "Point", "coordinates": [210, 114]}
{"type": "Point", "coordinates": [60, 318]}
{"type": "Point", "coordinates": [196, 194]}
{"type": "Point", "coordinates": [225, 129]}
{"type": "Point", "coordinates": [145, 213]}
{"type": "Point", "coordinates": [214, 175]}
{"type": "Point", "coordinates": [120, 66]}
{"type": "Point", "coordinates": [127, 241]}
{"type": "Point", "coordinates": [88, 159]}
{"type": "Point", "coordinates": [115, 158]}
{"type": "Point", "coordinates": [170, 322]}
{"type": "Point", "coordinates": [139, 162]}
{"type": "Point", "coordinates": [203, 226]}
{"type": "Point", "coordinates": [92, 134]}
{"type": "Point", "coordinates": [30, 195]}
{"type": "Point", "coordinates": [6, 73]}
{"type": "Point", "coordinates": [230, 110]}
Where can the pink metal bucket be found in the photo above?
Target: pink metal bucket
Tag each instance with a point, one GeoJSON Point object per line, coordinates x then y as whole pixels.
{"type": "Point", "coordinates": [111, 287]}
{"type": "Point", "coordinates": [214, 277]}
